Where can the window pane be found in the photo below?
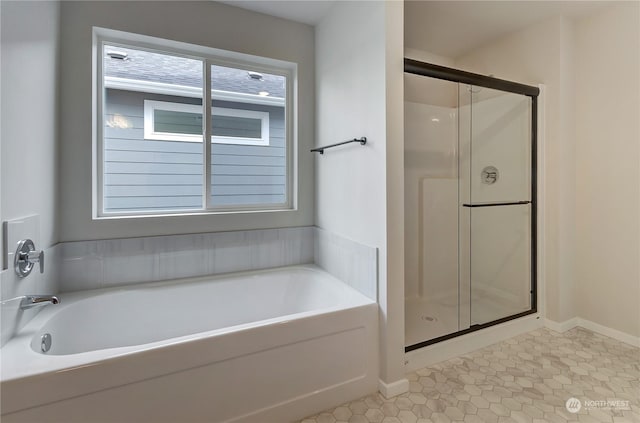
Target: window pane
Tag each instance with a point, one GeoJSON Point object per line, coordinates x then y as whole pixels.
{"type": "Point", "coordinates": [252, 168]}
{"type": "Point", "coordinates": [147, 174]}
{"type": "Point", "coordinates": [232, 126]}
{"type": "Point", "coordinates": [177, 122]}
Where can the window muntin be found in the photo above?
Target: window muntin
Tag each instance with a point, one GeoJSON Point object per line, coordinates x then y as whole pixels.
{"type": "Point", "coordinates": [248, 169]}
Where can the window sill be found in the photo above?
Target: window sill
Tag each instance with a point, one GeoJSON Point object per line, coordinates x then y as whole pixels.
{"type": "Point", "coordinates": [193, 214]}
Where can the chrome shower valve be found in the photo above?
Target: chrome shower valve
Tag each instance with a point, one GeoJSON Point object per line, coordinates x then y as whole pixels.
{"type": "Point", "coordinates": [26, 257]}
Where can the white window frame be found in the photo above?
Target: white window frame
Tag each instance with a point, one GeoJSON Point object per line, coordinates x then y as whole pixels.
{"type": "Point", "coordinates": [150, 106]}
{"type": "Point", "coordinates": [208, 56]}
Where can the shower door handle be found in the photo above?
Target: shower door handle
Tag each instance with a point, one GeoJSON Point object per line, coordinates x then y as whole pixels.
{"type": "Point", "coordinates": [512, 203]}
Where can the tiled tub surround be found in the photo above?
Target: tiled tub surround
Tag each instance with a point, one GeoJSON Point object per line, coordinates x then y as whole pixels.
{"type": "Point", "coordinates": [528, 378]}
{"type": "Point", "coordinates": [105, 263]}
{"type": "Point", "coordinates": [263, 346]}
{"type": "Point", "coordinates": [347, 260]}
{"type": "Point", "coordinates": [112, 262]}
{"type": "Point", "coordinates": [85, 265]}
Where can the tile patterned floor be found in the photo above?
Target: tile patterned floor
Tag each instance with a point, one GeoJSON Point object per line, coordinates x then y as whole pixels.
{"type": "Point", "coordinates": [528, 378]}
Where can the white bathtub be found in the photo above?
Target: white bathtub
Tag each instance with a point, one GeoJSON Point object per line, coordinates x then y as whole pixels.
{"type": "Point", "coordinates": [265, 346]}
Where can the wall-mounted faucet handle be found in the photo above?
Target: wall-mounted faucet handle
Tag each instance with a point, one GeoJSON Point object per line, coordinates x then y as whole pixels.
{"type": "Point", "coordinates": [36, 257]}
{"type": "Point", "coordinates": [26, 257]}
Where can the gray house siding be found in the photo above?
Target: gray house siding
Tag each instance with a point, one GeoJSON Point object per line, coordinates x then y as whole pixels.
{"type": "Point", "coordinates": [152, 175]}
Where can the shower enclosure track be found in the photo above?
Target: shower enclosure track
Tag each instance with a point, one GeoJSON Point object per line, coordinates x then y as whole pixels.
{"type": "Point", "coordinates": [456, 75]}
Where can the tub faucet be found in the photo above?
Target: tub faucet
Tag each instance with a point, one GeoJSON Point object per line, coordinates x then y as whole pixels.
{"type": "Point", "coordinates": [29, 301]}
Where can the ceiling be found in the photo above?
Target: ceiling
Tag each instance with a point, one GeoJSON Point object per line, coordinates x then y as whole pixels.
{"type": "Point", "coordinates": [447, 28]}
{"type": "Point", "coordinates": [309, 12]}
{"type": "Point", "coordinates": [453, 28]}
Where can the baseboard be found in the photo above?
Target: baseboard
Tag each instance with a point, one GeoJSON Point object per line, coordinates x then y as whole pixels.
{"type": "Point", "coordinates": [390, 390]}
{"type": "Point", "coordinates": [561, 327]}
{"type": "Point", "coordinates": [464, 344]}
{"type": "Point", "coordinates": [595, 327]}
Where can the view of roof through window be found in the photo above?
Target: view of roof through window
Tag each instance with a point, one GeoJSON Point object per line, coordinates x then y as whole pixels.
{"type": "Point", "coordinates": [162, 68]}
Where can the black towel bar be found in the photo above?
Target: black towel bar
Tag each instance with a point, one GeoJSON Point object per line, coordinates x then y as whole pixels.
{"type": "Point", "coordinates": [362, 141]}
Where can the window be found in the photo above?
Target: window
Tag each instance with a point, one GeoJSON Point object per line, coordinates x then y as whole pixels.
{"type": "Point", "coordinates": [236, 126]}
{"type": "Point", "coordinates": [166, 121]}
{"type": "Point", "coordinates": [150, 156]}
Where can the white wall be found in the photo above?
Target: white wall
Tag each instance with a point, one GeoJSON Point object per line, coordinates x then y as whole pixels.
{"type": "Point", "coordinates": [29, 56]}
{"type": "Point", "coordinates": [357, 63]}
{"type": "Point", "coordinates": [28, 172]}
{"type": "Point", "coordinates": [203, 23]}
{"type": "Point", "coordinates": [437, 92]}
{"type": "Point", "coordinates": [607, 104]}
{"type": "Point", "coordinates": [1, 225]}
{"type": "Point", "coordinates": [392, 336]}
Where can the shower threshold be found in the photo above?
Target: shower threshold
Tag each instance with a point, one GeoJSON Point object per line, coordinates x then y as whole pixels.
{"type": "Point", "coordinates": [473, 328]}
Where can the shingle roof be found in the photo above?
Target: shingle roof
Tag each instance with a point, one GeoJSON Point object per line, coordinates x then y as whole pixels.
{"type": "Point", "coordinates": [158, 67]}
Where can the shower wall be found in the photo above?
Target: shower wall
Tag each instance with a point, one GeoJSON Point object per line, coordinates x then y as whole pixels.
{"type": "Point", "coordinates": [497, 124]}
{"type": "Point", "coordinates": [431, 200]}
{"type": "Point", "coordinates": [431, 193]}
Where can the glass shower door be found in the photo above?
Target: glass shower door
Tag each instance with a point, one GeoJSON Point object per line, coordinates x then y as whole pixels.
{"type": "Point", "coordinates": [495, 208]}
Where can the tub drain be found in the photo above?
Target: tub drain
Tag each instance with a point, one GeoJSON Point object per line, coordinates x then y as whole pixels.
{"type": "Point", "coordinates": [45, 343]}
{"type": "Point", "coordinates": [428, 318]}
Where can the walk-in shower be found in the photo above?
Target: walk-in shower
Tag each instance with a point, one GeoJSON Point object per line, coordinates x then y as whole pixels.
{"type": "Point", "coordinates": [470, 202]}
